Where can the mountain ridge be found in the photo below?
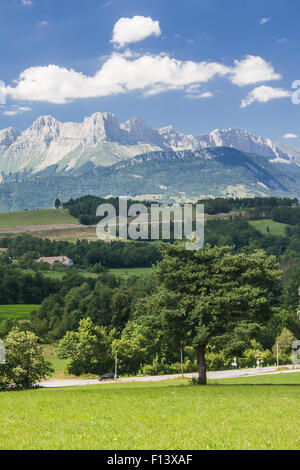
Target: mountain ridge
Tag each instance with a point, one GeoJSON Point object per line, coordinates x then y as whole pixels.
{"type": "Point", "coordinates": [100, 139]}
{"type": "Point", "coordinates": [101, 157]}
{"type": "Point", "coordinates": [166, 176]}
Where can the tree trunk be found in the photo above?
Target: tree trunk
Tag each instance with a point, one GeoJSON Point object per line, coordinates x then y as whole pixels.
{"type": "Point", "coordinates": [201, 366]}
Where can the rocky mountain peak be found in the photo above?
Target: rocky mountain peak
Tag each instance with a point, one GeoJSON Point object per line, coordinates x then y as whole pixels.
{"type": "Point", "coordinates": [139, 131]}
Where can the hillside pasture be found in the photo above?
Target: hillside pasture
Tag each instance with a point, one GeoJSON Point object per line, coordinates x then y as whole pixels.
{"type": "Point", "coordinates": [275, 228]}
{"type": "Point", "coordinates": [36, 217]}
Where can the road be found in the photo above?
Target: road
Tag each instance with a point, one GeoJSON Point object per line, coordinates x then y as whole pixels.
{"type": "Point", "coordinates": [225, 374]}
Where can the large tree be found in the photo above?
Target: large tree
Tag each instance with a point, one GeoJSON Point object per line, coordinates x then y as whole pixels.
{"type": "Point", "coordinates": [88, 349]}
{"type": "Point", "coordinates": [204, 295]}
{"type": "Point", "coordinates": [25, 364]}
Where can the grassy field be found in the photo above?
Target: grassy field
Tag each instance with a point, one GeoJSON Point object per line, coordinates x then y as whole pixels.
{"type": "Point", "coordinates": [248, 413]}
{"type": "Point", "coordinates": [124, 272]}
{"type": "Point", "coordinates": [61, 274]}
{"type": "Point", "coordinates": [38, 217]}
{"type": "Point", "coordinates": [275, 228]}
{"type": "Point", "coordinates": [16, 312]}
{"type": "Point", "coordinates": [130, 271]}
{"type": "Point", "coordinates": [59, 365]}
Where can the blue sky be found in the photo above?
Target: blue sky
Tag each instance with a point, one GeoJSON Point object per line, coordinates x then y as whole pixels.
{"type": "Point", "coordinates": [196, 64]}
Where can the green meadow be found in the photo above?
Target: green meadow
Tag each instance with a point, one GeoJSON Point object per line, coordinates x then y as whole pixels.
{"type": "Point", "coordinates": [16, 312]}
{"type": "Point", "coordinates": [60, 274]}
{"type": "Point", "coordinates": [126, 272]}
{"type": "Point", "coordinates": [268, 226]}
{"type": "Point", "coordinates": [59, 365]}
{"type": "Point", "coordinates": [36, 217]}
{"type": "Point", "coordinates": [245, 413]}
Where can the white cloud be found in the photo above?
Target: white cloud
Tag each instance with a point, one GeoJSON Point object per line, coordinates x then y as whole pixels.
{"type": "Point", "coordinates": [263, 94]}
{"type": "Point", "coordinates": [108, 4]}
{"type": "Point", "coordinates": [129, 71]}
{"type": "Point", "coordinates": [264, 20]}
{"type": "Point", "coordinates": [149, 74]}
{"type": "Point", "coordinates": [128, 30]}
{"type": "Point", "coordinates": [16, 110]}
{"type": "Point", "coordinates": [290, 136]}
{"type": "Point", "coordinates": [195, 92]}
{"type": "Point", "coordinates": [27, 3]}
{"type": "Point", "coordinates": [253, 69]}
{"type": "Point", "coordinates": [200, 96]}
{"type": "Point", "coordinates": [281, 40]}
{"type": "Point", "coordinates": [42, 24]}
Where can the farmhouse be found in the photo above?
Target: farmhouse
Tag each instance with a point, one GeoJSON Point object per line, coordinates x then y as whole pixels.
{"type": "Point", "coordinates": [56, 259]}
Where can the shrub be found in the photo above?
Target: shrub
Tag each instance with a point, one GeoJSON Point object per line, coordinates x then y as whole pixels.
{"type": "Point", "coordinates": [217, 361]}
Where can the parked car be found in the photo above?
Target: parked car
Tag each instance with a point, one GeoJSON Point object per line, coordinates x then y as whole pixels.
{"type": "Point", "coordinates": [109, 376]}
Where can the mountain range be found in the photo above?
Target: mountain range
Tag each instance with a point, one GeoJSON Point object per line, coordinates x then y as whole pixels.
{"type": "Point", "coordinates": [100, 156]}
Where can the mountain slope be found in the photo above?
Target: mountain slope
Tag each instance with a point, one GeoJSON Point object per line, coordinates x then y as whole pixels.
{"type": "Point", "coordinates": [166, 175]}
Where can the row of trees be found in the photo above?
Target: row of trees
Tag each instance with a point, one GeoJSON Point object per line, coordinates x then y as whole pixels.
{"type": "Point", "coordinates": [286, 215]}
{"type": "Point", "coordinates": [19, 287]}
{"type": "Point", "coordinates": [109, 301]}
{"type": "Point", "coordinates": [256, 206]}
{"type": "Point", "coordinates": [85, 207]}
{"type": "Point", "coordinates": [83, 253]}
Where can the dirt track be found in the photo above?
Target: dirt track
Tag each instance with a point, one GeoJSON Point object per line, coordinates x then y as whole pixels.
{"type": "Point", "coordinates": [39, 228]}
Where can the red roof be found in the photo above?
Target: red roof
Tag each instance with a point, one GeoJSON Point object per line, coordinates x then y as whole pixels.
{"type": "Point", "coordinates": [52, 259]}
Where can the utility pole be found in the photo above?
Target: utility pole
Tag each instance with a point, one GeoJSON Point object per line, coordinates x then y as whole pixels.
{"type": "Point", "coordinates": [116, 366]}
{"type": "Point", "coordinates": [277, 348]}
{"type": "Point", "coordinates": [2, 353]}
{"type": "Point", "coordinates": [181, 361]}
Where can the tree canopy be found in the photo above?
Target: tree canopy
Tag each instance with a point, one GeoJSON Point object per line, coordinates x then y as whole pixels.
{"type": "Point", "coordinates": [203, 295]}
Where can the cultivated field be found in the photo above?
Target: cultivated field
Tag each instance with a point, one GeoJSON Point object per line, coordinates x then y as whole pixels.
{"type": "Point", "coordinates": [16, 312]}
{"type": "Point", "coordinates": [246, 413]}
{"type": "Point", "coordinates": [58, 224]}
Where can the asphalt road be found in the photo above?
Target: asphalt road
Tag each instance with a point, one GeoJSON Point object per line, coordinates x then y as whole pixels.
{"type": "Point", "coordinates": [225, 374]}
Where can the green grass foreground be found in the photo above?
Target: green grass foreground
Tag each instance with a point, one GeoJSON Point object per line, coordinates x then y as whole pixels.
{"type": "Point", "coordinates": [246, 413]}
{"type": "Point", "coordinates": [16, 312]}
